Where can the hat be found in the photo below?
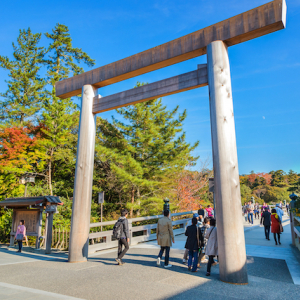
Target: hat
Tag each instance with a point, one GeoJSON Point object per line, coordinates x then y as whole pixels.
{"type": "Point", "coordinates": [277, 205]}
{"type": "Point", "coordinates": [195, 215]}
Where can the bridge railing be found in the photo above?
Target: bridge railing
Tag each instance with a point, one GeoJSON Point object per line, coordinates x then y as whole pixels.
{"type": "Point", "coordinates": [138, 234]}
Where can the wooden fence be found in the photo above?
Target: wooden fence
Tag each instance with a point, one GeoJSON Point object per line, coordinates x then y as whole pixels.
{"type": "Point", "coordinates": [60, 239]}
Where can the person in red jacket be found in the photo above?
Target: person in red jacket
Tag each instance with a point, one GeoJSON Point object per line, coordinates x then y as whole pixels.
{"type": "Point", "coordinates": [275, 226]}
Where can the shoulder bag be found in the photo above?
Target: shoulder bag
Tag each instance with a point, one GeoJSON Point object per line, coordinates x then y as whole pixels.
{"type": "Point", "coordinates": [280, 227]}
{"type": "Point", "coordinates": [19, 237]}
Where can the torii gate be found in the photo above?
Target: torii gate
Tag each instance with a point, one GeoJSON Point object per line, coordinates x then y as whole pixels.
{"type": "Point", "coordinates": [213, 41]}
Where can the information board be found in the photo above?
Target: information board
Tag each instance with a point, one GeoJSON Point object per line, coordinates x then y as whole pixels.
{"type": "Point", "coordinates": [31, 218]}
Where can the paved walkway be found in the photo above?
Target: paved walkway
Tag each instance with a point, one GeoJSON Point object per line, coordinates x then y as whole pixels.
{"type": "Point", "coordinates": [273, 274]}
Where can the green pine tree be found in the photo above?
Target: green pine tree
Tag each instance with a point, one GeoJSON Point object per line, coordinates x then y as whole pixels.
{"type": "Point", "coordinates": [143, 153]}
{"type": "Point", "coordinates": [60, 116]}
{"type": "Point", "coordinates": [22, 101]}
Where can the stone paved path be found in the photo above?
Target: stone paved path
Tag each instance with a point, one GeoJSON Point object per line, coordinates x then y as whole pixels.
{"type": "Point", "coordinates": [273, 274]}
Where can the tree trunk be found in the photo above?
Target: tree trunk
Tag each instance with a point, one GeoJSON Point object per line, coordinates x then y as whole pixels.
{"type": "Point", "coordinates": [139, 201]}
{"type": "Point", "coordinates": [132, 202]}
{"type": "Point", "coordinates": [50, 173]}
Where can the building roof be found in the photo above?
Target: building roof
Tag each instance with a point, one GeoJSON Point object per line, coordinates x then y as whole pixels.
{"type": "Point", "coordinates": [30, 201]}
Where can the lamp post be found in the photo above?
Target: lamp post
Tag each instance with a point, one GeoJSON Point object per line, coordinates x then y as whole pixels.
{"type": "Point", "coordinates": [25, 179]}
{"type": "Point", "coordinates": [101, 201]}
{"type": "Point", "coordinates": [293, 198]}
{"type": "Point", "coordinates": [167, 204]}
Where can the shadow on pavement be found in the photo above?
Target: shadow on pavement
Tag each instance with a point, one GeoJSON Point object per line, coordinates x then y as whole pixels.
{"type": "Point", "coordinates": [37, 256]}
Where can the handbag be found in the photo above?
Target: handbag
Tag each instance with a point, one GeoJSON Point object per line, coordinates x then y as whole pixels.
{"type": "Point", "coordinates": [19, 237]}
{"type": "Point", "coordinates": [280, 227]}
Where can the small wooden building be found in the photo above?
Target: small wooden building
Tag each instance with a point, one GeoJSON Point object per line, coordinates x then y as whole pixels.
{"type": "Point", "coordinates": [31, 210]}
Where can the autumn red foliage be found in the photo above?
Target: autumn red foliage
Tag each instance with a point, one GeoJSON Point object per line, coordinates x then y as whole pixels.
{"type": "Point", "coordinates": [266, 176]}
{"type": "Point", "coordinates": [19, 149]}
{"type": "Point", "coordinates": [188, 189]}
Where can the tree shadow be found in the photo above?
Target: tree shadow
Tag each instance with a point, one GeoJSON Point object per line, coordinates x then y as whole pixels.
{"type": "Point", "coordinates": [37, 256]}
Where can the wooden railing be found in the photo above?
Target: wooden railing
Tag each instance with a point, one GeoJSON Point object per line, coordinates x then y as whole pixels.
{"type": "Point", "coordinates": [102, 240]}
{"type": "Point", "coordinates": [60, 239]}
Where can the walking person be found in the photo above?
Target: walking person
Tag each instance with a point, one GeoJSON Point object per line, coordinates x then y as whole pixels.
{"type": "Point", "coordinates": [250, 212]}
{"type": "Point", "coordinates": [186, 252]}
{"type": "Point", "coordinates": [20, 234]}
{"type": "Point", "coordinates": [245, 211]}
{"type": "Point", "coordinates": [266, 221]}
{"type": "Point", "coordinates": [256, 210]}
{"type": "Point", "coordinates": [287, 208]}
{"type": "Point", "coordinates": [279, 212]}
{"type": "Point", "coordinates": [275, 226]}
{"type": "Point", "coordinates": [201, 213]}
{"type": "Point", "coordinates": [193, 234]}
{"type": "Point", "coordinates": [209, 211]}
{"type": "Point", "coordinates": [203, 230]}
{"type": "Point", "coordinates": [123, 239]}
{"type": "Point", "coordinates": [164, 234]}
{"type": "Point", "coordinates": [212, 245]}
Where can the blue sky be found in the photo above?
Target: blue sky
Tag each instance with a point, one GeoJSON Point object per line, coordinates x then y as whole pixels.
{"type": "Point", "coordinates": [265, 71]}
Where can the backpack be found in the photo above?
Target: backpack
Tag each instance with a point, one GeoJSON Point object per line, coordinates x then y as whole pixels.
{"type": "Point", "coordinates": [118, 229]}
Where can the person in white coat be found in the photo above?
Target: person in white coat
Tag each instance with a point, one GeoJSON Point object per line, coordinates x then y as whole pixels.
{"type": "Point", "coordinates": [212, 244]}
{"type": "Point", "coordinates": [279, 211]}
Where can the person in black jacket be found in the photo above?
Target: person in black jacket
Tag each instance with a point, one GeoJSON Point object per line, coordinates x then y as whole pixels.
{"type": "Point", "coordinates": [124, 239]}
{"type": "Point", "coordinates": [201, 213]}
{"type": "Point", "coordinates": [193, 244]}
{"type": "Point", "coordinates": [266, 221]}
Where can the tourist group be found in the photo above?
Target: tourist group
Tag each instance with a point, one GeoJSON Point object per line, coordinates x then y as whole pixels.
{"type": "Point", "coordinates": [201, 240]}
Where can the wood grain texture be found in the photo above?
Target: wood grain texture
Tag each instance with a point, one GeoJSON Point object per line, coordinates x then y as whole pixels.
{"type": "Point", "coordinates": [231, 240]}
{"type": "Point", "coordinates": [246, 26]}
{"type": "Point", "coordinates": [82, 195]}
{"type": "Point", "coordinates": [176, 84]}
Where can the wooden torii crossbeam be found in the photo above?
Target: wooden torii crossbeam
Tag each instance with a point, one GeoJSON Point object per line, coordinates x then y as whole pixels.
{"type": "Point", "coordinates": [158, 89]}
{"type": "Point", "coordinates": [213, 41]}
{"type": "Point", "coordinates": [241, 28]}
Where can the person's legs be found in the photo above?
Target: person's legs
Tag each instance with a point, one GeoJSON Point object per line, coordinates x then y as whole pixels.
{"type": "Point", "coordinates": [119, 247]}
{"type": "Point", "coordinates": [125, 243]}
{"type": "Point", "coordinates": [190, 258]}
{"type": "Point", "coordinates": [195, 260]}
{"type": "Point", "coordinates": [251, 217]}
{"type": "Point", "coordinates": [167, 256]}
{"type": "Point", "coordinates": [275, 238]}
{"type": "Point", "coordinates": [161, 252]}
{"type": "Point", "coordinates": [185, 256]}
{"type": "Point", "coordinates": [278, 234]}
{"type": "Point", "coordinates": [267, 232]}
{"type": "Point", "coordinates": [210, 262]}
{"type": "Point", "coordinates": [20, 245]}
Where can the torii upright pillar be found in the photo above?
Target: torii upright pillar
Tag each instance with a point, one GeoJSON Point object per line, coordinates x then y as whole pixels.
{"type": "Point", "coordinates": [82, 198]}
{"type": "Point", "coordinates": [230, 230]}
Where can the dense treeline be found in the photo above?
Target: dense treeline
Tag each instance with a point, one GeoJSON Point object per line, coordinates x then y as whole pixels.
{"type": "Point", "coordinates": [269, 187]}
